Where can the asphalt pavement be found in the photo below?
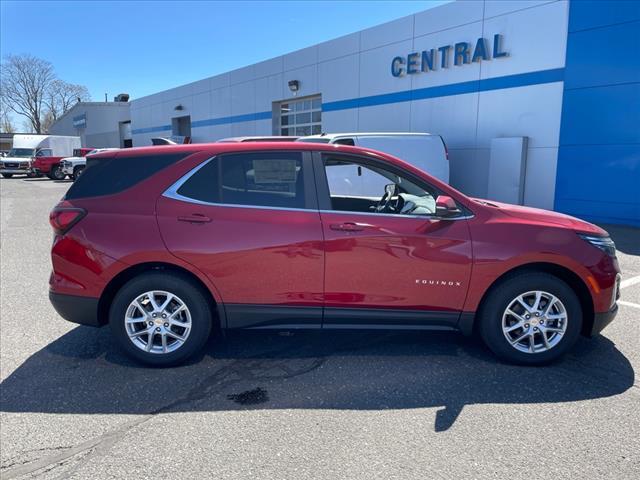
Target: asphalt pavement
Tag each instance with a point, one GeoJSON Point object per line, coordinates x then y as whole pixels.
{"type": "Point", "coordinates": [302, 406]}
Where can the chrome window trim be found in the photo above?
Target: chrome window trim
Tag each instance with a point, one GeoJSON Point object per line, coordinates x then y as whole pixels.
{"type": "Point", "coordinates": [172, 192]}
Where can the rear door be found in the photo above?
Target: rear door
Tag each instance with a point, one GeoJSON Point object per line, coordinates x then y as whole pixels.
{"type": "Point", "coordinates": [250, 222]}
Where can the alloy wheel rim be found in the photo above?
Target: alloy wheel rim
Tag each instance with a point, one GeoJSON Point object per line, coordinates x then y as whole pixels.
{"type": "Point", "coordinates": [158, 322]}
{"type": "Point", "coordinates": [534, 322]}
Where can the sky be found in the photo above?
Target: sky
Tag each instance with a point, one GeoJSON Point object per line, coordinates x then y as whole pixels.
{"type": "Point", "coordinates": [148, 46]}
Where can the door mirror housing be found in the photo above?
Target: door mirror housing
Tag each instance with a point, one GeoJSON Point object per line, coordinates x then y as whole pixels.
{"type": "Point", "coordinates": [446, 207]}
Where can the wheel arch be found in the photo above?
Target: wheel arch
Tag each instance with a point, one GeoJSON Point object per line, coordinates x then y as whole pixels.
{"type": "Point", "coordinates": [114, 285]}
{"type": "Point", "coordinates": [564, 274]}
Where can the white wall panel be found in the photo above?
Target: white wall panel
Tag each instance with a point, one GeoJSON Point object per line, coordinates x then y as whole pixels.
{"type": "Point", "coordinates": [200, 86]}
{"type": "Point", "coordinates": [454, 73]}
{"type": "Point", "coordinates": [272, 66]}
{"type": "Point", "coordinates": [535, 39]}
{"type": "Point", "coordinates": [242, 129]}
{"type": "Point", "coordinates": [540, 178]}
{"type": "Point", "coordinates": [375, 70]}
{"type": "Point", "coordinates": [220, 131]}
{"type": "Point", "coordinates": [201, 106]}
{"type": "Point", "coordinates": [390, 32]}
{"type": "Point", "coordinates": [301, 58]}
{"type": "Point", "coordinates": [338, 79]}
{"type": "Point", "coordinates": [263, 127]}
{"type": "Point", "coordinates": [268, 90]}
{"type": "Point", "coordinates": [469, 170]}
{"type": "Point", "coordinates": [220, 103]}
{"type": "Point", "coordinates": [493, 8]}
{"type": "Point", "coordinates": [453, 117]}
{"type": "Point", "coordinates": [395, 117]}
{"type": "Point", "coordinates": [241, 75]}
{"type": "Point", "coordinates": [448, 16]}
{"type": "Point", "coordinates": [532, 111]}
{"type": "Point", "coordinates": [219, 81]}
{"type": "Point", "coordinates": [243, 98]}
{"type": "Point", "coordinates": [346, 45]}
{"type": "Point", "coordinates": [308, 78]}
{"type": "Point", "coordinates": [340, 121]}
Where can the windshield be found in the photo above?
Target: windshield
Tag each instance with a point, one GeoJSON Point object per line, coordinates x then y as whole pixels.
{"type": "Point", "coordinates": [21, 152]}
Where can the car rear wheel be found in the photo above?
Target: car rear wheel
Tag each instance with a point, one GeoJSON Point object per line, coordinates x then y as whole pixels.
{"type": "Point", "coordinates": [56, 173]}
{"type": "Point", "coordinates": [77, 171]}
{"type": "Point", "coordinates": [7, 175]}
{"type": "Point", "coordinates": [160, 319]}
{"type": "Point", "coordinates": [531, 319]}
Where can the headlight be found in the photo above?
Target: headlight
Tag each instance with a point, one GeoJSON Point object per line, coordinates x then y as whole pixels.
{"type": "Point", "coordinates": [603, 243]}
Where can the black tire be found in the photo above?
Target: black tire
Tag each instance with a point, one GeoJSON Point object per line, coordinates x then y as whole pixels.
{"type": "Point", "coordinates": [77, 171]}
{"type": "Point", "coordinates": [192, 296]}
{"type": "Point", "coordinates": [7, 175]}
{"type": "Point", "coordinates": [57, 173]}
{"type": "Point", "coordinates": [501, 296]}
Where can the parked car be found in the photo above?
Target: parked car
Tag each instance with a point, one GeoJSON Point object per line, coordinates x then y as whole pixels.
{"type": "Point", "coordinates": [26, 147]}
{"type": "Point", "coordinates": [423, 150]}
{"type": "Point", "coordinates": [277, 236]}
{"type": "Point", "coordinates": [46, 160]}
{"type": "Point", "coordinates": [263, 138]}
{"type": "Point", "coordinates": [74, 166]}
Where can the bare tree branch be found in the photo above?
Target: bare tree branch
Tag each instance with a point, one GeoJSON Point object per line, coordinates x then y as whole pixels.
{"type": "Point", "coordinates": [30, 88]}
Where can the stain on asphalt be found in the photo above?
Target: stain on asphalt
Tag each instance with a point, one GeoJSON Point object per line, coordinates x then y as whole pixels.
{"type": "Point", "coordinates": [250, 397]}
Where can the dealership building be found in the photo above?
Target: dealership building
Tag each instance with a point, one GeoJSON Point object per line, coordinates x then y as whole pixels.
{"type": "Point", "coordinates": [559, 78]}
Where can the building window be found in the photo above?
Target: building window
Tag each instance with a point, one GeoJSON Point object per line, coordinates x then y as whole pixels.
{"type": "Point", "coordinates": [301, 116]}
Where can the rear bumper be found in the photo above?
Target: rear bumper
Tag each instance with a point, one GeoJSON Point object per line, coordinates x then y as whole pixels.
{"type": "Point", "coordinates": [601, 320]}
{"type": "Point", "coordinates": [82, 310]}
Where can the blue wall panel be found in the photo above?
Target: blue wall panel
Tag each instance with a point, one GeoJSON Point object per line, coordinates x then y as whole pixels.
{"type": "Point", "coordinates": [601, 115]}
{"type": "Point", "coordinates": [599, 13]}
{"type": "Point", "coordinates": [603, 56]}
{"type": "Point", "coordinates": [598, 173]}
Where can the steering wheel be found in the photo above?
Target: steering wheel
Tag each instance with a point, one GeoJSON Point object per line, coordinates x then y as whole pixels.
{"type": "Point", "coordinates": [386, 202]}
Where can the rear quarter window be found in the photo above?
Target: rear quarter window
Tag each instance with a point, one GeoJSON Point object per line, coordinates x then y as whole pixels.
{"type": "Point", "coordinates": [107, 176]}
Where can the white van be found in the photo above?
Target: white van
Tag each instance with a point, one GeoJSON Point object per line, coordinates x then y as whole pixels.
{"type": "Point", "coordinates": [422, 150]}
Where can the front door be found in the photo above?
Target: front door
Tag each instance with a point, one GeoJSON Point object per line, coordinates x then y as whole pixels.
{"type": "Point", "coordinates": [389, 260]}
{"type": "Point", "coordinates": [250, 222]}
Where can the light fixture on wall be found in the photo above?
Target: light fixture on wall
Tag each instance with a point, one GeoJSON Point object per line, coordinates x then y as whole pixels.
{"type": "Point", "coordinates": [294, 86]}
{"type": "Point", "coordinates": [178, 107]}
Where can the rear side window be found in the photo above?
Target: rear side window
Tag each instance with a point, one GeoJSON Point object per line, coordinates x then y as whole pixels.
{"type": "Point", "coordinates": [106, 176]}
{"type": "Point", "coordinates": [269, 179]}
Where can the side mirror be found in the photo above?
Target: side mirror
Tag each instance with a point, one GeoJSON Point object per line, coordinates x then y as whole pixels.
{"type": "Point", "coordinates": [446, 207]}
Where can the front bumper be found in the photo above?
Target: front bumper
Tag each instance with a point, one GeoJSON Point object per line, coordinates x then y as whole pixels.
{"type": "Point", "coordinates": [601, 320]}
{"type": "Point", "coordinates": [68, 170]}
{"type": "Point", "coordinates": [15, 171]}
{"type": "Point", "coordinates": [76, 309]}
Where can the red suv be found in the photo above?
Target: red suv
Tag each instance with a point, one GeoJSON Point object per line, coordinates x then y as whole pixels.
{"type": "Point", "coordinates": [166, 243]}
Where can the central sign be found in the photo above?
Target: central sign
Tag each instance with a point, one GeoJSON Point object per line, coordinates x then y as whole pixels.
{"type": "Point", "coordinates": [429, 60]}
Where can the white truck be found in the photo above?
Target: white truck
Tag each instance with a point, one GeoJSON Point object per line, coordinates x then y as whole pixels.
{"type": "Point", "coordinates": [74, 166]}
{"type": "Point", "coordinates": [27, 147]}
{"type": "Point", "coordinates": [425, 151]}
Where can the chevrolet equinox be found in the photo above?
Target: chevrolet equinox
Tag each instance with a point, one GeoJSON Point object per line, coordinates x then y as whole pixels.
{"type": "Point", "coordinates": [167, 243]}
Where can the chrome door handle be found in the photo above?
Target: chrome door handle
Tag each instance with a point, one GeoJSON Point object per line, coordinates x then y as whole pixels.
{"type": "Point", "coordinates": [346, 227]}
{"type": "Point", "coordinates": [195, 218]}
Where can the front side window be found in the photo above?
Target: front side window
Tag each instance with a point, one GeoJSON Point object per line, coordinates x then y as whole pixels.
{"type": "Point", "coordinates": [267, 179]}
{"type": "Point", "coordinates": [359, 187]}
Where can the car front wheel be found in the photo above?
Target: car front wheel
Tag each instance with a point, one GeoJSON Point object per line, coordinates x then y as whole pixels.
{"type": "Point", "coordinates": [160, 319]}
{"type": "Point", "coordinates": [57, 173]}
{"type": "Point", "coordinates": [77, 171]}
{"type": "Point", "coordinates": [531, 319]}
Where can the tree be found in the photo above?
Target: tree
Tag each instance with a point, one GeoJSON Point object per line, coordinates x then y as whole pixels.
{"type": "Point", "coordinates": [61, 96]}
{"type": "Point", "coordinates": [30, 88]}
{"type": "Point", "coordinates": [6, 125]}
{"type": "Point", "coordinates": [25, 81]}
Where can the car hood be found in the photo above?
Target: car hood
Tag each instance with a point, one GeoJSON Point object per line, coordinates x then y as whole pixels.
{"type": "Point", "coordinates": [544, 217]}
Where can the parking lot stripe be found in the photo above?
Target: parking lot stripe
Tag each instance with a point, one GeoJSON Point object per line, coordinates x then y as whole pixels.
{"type": "Point", "coordinates": [630, 281]}
{"type": "Point", "coordinates": [628, 304]}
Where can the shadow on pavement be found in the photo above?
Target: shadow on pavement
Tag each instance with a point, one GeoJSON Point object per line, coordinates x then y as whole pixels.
{"type": "Point", "coordinates": [84, 373]}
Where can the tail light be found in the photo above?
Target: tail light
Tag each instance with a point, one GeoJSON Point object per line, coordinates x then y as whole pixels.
{"type": "Point", "coordinates": [63, 218]}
